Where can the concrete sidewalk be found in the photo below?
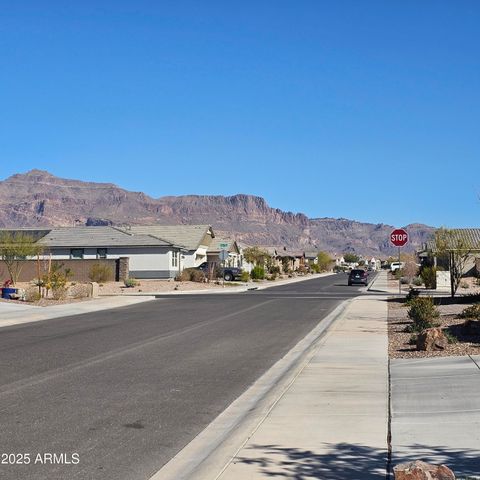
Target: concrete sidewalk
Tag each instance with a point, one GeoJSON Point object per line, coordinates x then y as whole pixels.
{"type": "Point", "coordinates": [436, 412]}
{"type": "Point", "coordinates": [330, 420]}
{"type": "Point", "coordinates": [380, 284]}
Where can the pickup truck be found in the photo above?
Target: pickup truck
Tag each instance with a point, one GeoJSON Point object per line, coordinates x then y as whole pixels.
{"type": "Point", "coordinates": [229, 273]}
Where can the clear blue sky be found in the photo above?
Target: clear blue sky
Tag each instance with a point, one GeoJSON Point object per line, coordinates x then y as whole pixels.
{"type": "Point", "coordinates": [368, 110]}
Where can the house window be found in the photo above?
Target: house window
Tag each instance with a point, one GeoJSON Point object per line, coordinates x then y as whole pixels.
{"type": "Point", "coordinates": [76, 253]}
{"type": "Point", "coordinates": [174, 259]}
{"type": "Point", "coordinates": [101, 253]}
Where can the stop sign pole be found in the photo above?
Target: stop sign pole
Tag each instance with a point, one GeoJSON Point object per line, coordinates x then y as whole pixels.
{"type": "Point", "coordinates": [399, 238]}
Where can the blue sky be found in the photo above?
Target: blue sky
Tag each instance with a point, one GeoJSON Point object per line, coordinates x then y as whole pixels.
{"type": "Point", "coordinates": [367, 110]}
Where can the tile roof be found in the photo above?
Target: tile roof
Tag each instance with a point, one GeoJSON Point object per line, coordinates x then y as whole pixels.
{"type": "Point", "coordinates": [97, 237]}
{"type": "Point", "coordinates": [215, 245]}
{"type": "Point", "coordinates": [466, 236]}
{"type": "Point", "coordinates": [188, 236]}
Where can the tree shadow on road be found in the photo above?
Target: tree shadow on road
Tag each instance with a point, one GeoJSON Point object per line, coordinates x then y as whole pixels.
{"type": "Point", "coordinates": [345, 461]}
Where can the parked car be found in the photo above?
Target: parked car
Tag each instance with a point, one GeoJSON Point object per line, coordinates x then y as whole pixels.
{"type": "Point", "coordinates": [228, 273]}
{"type": "Point", "coordinates": [358, 276]}
{"type": "Point", "coordinates": [396, 266]}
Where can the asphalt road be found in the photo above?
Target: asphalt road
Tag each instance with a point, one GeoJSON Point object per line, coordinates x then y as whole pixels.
{"type": "Point", "coordinates": [126, 389]}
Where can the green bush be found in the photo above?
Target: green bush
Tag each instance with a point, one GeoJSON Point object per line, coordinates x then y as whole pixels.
{"type": "Point", "coordinates": [450, 336]}
{"type": "Point", "coordinates": [429, 277]}
{"type": "Point", "coordinates": [130, 282]}
{"type": "Point", "coordinates": [274, 270]}
{"type": "Point", "coordinates": [257, 273]}
{"type": "Point", "coordinates": [417, 281]}
{"type": "Point", "coordinates": [315, 267]}
{"type": "Point", "coordinates": [472, 312]}
{"type": "Point", "coordinates": [422, 311]}
{"type": "Point", "coordinates": [245, 277]}
{"type": "Point", "coordinates": [100, 273]}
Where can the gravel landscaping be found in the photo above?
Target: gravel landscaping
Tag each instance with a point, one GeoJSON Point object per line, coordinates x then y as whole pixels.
{"type": "Point", "coordinates": [398, 339]}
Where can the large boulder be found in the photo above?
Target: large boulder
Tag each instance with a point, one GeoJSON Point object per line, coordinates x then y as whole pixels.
{"type": "Point", "coordinates": [419, 470]}
{"type": "Point", "coordinates": [432, 339]}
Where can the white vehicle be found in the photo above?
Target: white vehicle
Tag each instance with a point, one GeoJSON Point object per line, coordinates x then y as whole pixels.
{"type": "Point", "coordinates": [396, 266]}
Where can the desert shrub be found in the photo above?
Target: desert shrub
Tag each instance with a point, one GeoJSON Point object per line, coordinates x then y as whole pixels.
{"type": "Point", "coordinates": [190, 275]}
{"type": "Point", "coordinates": [184, 276]}
{"type": "Point", "coordinates": [450, 336]}
{"type": "Point", "coordinates": [464, 285]}
{"type": "Point", "coordinates": [79, 291]}
{"type": "Point", "coordinates": [422, 311]}
{"type": "Point", "coordinates": [32, 294]}
{"type": "Point", "coordinates": [314, 267]}
{"type": "Point", "coordinates": [472, 312]}
{"type": "Point", "coordinates": [197, 275]}
{"type": "Point", "coordinates": [417, 281]}
{"type": "Point", "coordinates": [130, 282]}
{"type": "Point", "coordinates": [274, 270]}
{"type": "Point", "coordinates": [404, 281]}
{"type": "Point", "coordinates": [411, 295]}
{"type": "Point", "coordinates": [429, 277]}
{"type": "Point", "coordinates": [257, 273]}
{"type": "Point", "coordinates": [302, 270]}
{"type": "Point", "coordinates": [56, 281]}
{"type": "Point", "coordinates": [245, 276]}
{"type": "Point", "coordinates": [99, 272]}
{"type": "Point", "coordinates": [413, 339]}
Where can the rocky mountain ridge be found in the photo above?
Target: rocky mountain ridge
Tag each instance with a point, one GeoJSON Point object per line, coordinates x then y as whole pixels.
{"type": "Point", "coordinates": [38, 198]}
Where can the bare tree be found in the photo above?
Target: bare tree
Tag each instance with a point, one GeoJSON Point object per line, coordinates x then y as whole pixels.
{"type": "Point", "coordinates": [15, 248]}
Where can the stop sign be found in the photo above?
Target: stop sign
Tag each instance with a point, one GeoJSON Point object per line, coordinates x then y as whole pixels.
{"type": "Point", "coordinates": [399, 237]}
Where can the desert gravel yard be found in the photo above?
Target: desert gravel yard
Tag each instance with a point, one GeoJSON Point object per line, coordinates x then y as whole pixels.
{"type": "Point", "coordinates": [145, 286]}
{"type": "Point", "coordinates": [398, 339]}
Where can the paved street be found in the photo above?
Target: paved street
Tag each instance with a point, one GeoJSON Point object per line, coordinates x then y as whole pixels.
{"type": "Point", "coordinates": [126, 389]}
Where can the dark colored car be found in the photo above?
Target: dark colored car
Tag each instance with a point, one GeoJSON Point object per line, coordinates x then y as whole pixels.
{"type": "Point", "coordinates": [228, 273]}
{"type": "Point", "coordinates": [358, 277]}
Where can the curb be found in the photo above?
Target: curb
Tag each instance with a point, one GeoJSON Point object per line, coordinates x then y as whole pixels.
{"type": "Point", "coordinates": [213, 448]}
{"type": "Point", "coordinates": [239, 289]}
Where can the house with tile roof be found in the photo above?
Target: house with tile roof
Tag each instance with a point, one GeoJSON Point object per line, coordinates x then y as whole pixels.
{"type": "Point", "coordinates": [150, 255]}
{"type": "Point", "coordinates": [193, 239]}
{"type": "Point", "coordinates": [234, 255]}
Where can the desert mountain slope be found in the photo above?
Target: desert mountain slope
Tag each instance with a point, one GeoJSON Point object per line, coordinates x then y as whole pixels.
{"type": "Point", "coordinates": [38, 198]}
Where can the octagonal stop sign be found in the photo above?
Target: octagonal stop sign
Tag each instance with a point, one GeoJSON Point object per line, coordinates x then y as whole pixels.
{"type": "Point", "coordinates": [399, 237]}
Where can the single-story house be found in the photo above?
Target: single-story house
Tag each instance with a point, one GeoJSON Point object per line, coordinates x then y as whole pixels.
{"type": "Point", "coordinates": [149, 254]}
{"type": "Point", "coordinates": [213, 252]}
{"type": "Point", "coordinates": [194, 239]}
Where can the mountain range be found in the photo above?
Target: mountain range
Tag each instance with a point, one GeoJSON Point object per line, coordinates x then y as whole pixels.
{"type": "Point", "coordinates": [39, 199]}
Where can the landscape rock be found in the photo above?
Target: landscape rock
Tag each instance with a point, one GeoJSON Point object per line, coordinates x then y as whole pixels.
{"type": "Point", "coordinates": [419, 470]}
{"type": "Point", "coordinates": [432, 339]}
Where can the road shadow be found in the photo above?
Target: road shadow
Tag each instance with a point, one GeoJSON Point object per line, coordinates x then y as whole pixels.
{"type": "Point", "coordinates": [347, 461]}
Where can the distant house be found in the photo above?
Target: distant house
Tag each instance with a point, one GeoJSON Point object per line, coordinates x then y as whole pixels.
{"type": "Point", "coordinates": [462, 240]}
{"type": "Point", "coordinates": [311, 257]}
{"type": "Point", "coordinates": [231, 246]}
